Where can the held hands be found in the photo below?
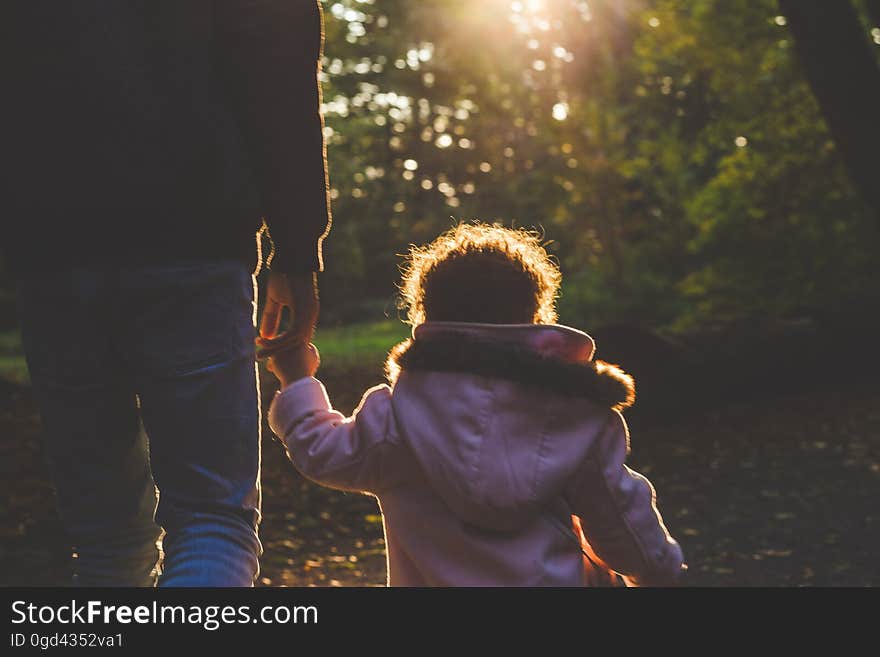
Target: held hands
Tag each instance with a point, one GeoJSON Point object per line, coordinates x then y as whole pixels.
{"type": "Point", "coordinates": [291, 355]}
{"type": "Point", "coordinates": [299, 293]}
{"type": "Point", "coordinates": [295, 363]}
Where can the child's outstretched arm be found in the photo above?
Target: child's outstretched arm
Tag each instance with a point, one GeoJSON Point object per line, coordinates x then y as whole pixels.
{"type": "Point", "coordinates": [619, 515]}
{"type": "Point", "coordinates": [355, 454]}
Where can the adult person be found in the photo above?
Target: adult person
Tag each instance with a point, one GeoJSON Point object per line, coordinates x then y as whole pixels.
{"type": "Point", "coordinates": [145, 141]}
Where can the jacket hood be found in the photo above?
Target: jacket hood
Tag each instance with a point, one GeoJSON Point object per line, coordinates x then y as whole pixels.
{"type": "Point", "coordinates": [500, 416]}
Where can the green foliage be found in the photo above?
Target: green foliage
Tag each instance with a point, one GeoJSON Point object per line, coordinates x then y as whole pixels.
{"type": "Point", "coordinates": [670, 151]}
{"type": "Point", "coordinates": [773, 227]}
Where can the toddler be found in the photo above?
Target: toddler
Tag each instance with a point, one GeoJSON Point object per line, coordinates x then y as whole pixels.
{"type": "Point", "coordinates": [497, 449]}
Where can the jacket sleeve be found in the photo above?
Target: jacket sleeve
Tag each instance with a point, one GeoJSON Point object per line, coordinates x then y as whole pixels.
{"type": "Point", "coordinates": [358, 453]}
{"type": "Point", "coordinates": [269, 57]}
{"type": "Point", "coordinates": [618, 512]}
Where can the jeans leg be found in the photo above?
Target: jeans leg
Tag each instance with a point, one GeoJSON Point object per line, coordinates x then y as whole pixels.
{"type": "Point", "coordinates": [206, 459]}
{"type": "Point", "coordinates": [92, 435]}
{"type": "Point", "coordinates": [192, 344]}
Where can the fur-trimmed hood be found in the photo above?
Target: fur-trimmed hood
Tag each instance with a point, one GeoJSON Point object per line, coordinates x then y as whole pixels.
{"type": "Point", "coordinates": [553, 357]}
{"type": "Point", "coordinates": [500, 416]}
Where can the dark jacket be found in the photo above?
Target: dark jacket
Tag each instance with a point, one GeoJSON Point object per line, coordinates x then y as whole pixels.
{"type": "Point", "coordinates": [161, 131]}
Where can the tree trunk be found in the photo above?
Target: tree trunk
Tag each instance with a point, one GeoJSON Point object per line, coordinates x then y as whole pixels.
{"type": "Point", "coordinates": [836, 56]}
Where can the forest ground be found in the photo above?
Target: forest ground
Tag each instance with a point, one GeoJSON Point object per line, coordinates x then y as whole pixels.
{"type": "Point", "coordinates": [775, 491]}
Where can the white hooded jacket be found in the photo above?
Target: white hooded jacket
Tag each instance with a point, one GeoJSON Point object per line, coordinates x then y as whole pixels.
{"type": "Point", "coordinates": [490, 440]}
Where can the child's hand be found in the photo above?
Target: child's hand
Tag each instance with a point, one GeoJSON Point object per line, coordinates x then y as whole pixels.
{"type": "Point", "coordinates": [294, 363]}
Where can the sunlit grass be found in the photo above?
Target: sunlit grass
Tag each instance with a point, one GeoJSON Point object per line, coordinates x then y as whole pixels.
{"type": "Point", "coordinates": [359, 344]}
{"type": "Point", "coordinates": [12, 363]}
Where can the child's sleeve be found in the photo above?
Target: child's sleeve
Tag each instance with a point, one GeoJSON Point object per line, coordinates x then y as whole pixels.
{"type": "Point", "coordinates": [357, 453]}
{"type": "Point", "coordinates": [619, 515]}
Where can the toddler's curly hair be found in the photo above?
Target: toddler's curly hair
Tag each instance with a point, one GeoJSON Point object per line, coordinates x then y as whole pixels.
{"type": "Point", "coordinates": [481, 273]}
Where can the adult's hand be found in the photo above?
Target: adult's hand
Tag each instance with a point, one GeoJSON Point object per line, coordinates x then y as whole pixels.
{"type": "Point", "coordinates": [299, 293]}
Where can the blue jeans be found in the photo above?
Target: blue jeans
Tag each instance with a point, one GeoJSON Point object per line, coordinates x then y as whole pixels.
{"type": "Point", "coordinates": [146, 382]}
